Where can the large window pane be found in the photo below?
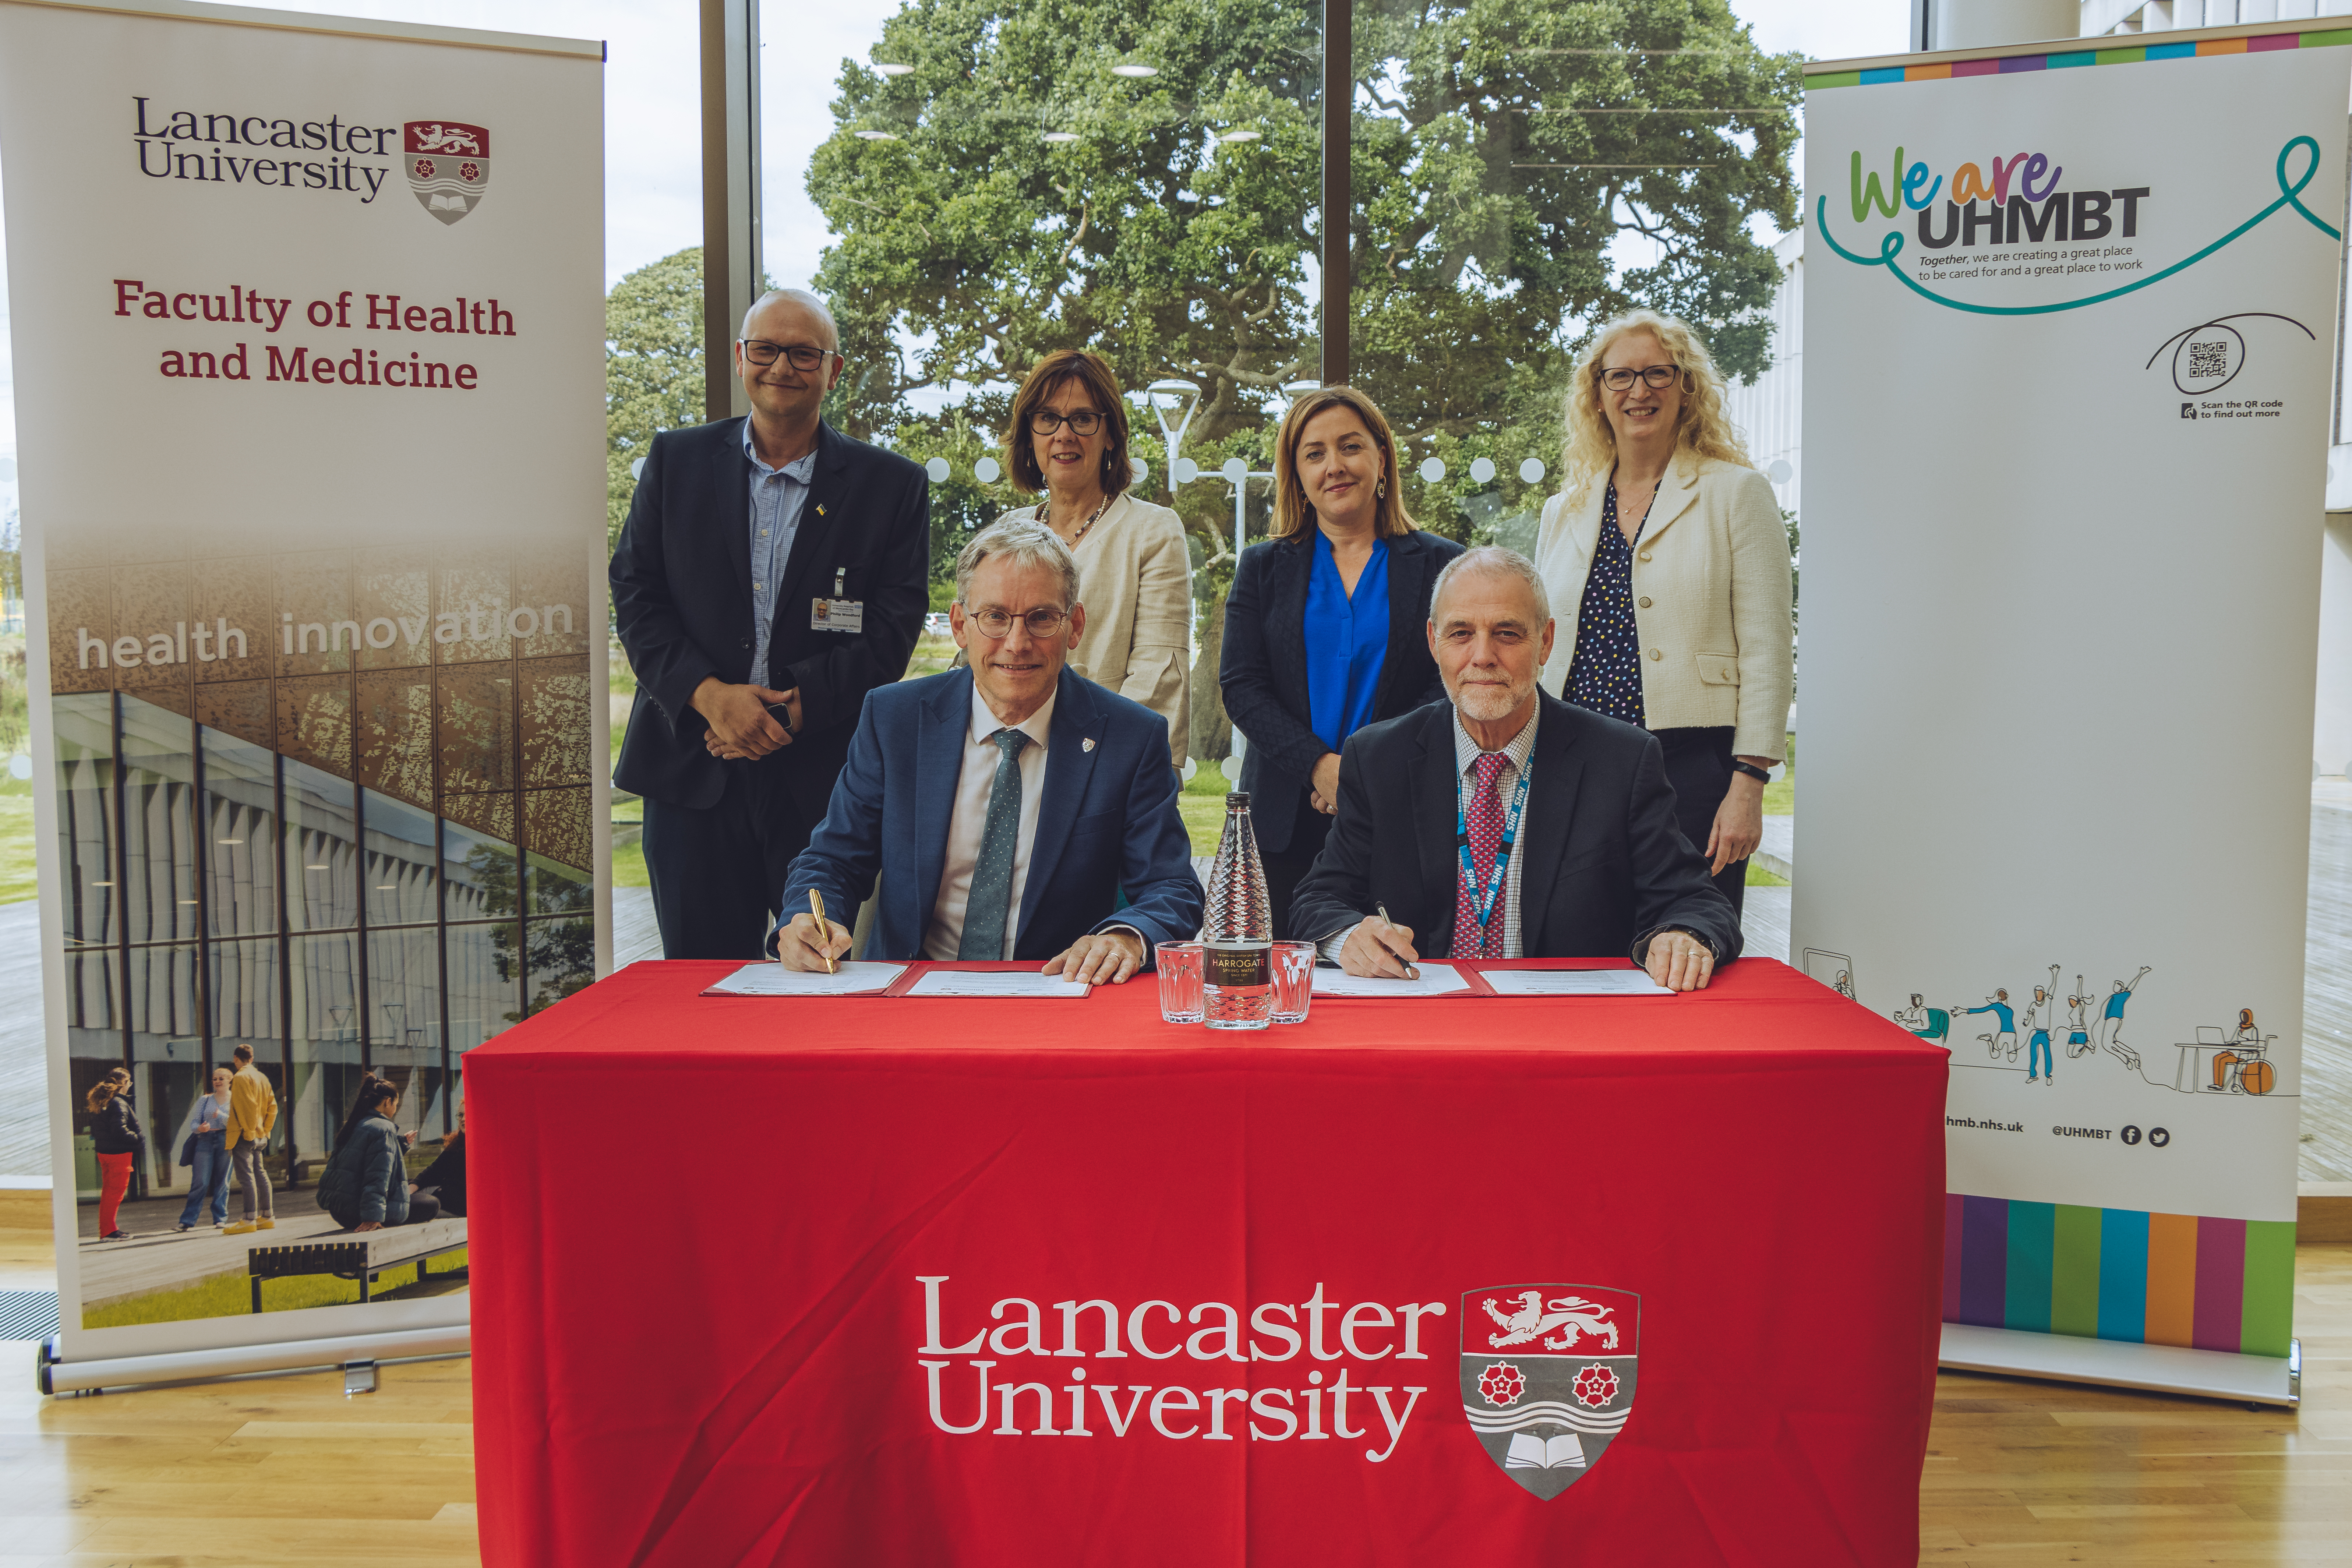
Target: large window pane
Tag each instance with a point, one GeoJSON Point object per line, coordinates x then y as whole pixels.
{"type": "Point", "coordinates": [562, 959]}
{"type": "Point", "coordinates": [404, 1030]}
{"type": "Point", "coordinates": [401, 855]}
{"type": "Point", "coordinates": [84, 737]}
{"type": "Point", "coordinates": [240, 807]}
{"type": "Point", "coordinates": [482, 873]}
{"type": "Point", "coordinates": [326, 1028]}
{"type": "Point", "coordinates": [323, 865]}
{"type": "Point", "coordinates": [1146, 188]}
{"type": "Point", "coordinates": [167, 1052]}
{"type": "Point", "coordinates": [483, 988]}
{"type": "Point", "coordinates": [158, 827]}
{"type": "Point", "coordinates": [1522, 175]}
{"type": "Point", "coordinates": [244, 980]}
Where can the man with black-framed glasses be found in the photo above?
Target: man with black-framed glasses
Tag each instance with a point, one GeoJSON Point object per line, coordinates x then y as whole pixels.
{"type": "Point", "coordinates": [1004, 805]}
{"type": "Point", "coordinates": [771, 572]}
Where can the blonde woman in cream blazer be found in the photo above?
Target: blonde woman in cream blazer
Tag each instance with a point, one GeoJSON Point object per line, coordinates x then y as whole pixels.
{"type": "Point", "coordinates": [1685, 628]}
{"type": "Point", "coordinates": [1135, 575]}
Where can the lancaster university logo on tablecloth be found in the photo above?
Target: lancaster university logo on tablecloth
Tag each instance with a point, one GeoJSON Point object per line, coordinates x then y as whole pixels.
{"type": "Point", "coordinates": [1548, 1377]}
{"type": "Point", "coordinates": [448, 165]}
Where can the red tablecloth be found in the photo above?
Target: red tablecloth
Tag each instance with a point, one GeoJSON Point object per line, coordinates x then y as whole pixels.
{"type": "Point", "coordinates": [702, 1229]}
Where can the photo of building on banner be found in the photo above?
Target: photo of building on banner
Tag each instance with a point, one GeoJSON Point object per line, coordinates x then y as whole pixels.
{"type": "Point", "coordinates": [318, 700]}
{"type": "Point", "coordinates": [2069, 351]}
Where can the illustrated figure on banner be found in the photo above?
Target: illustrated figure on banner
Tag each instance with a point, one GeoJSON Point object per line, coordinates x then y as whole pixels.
{"type": "Point", "coordinates": [2111, 1022]}
{"type": "Point", "coordinates": [2004, 1024]}
{"type": "Point", "coordinates": [1927, 1023]}
{"type": "Point", "coordinates": [2078, 1034]}
{"type": "Point", "coordinates": [2038, 1012]}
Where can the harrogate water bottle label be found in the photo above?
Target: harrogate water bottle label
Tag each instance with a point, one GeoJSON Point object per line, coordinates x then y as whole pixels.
{"type": "Point", "coordinates": [1239, 968]}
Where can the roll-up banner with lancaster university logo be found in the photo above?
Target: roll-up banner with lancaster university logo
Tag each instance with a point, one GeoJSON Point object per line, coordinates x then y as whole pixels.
{"type": "Point", "coordinates": [308, 424]}
{"type": "Point", "coordinates": [2070, 319]}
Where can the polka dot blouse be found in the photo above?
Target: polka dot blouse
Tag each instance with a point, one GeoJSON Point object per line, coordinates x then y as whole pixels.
{"type": "Point", "coordinates": [1606, 673]}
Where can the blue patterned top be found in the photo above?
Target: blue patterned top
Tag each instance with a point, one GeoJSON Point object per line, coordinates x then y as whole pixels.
{"type": "Point", "coordinates": [1346, 640]}
{"type": "Point", "coordinates": [1606, 674]}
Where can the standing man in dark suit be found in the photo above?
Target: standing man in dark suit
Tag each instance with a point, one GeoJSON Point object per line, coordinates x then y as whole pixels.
{"type": "Point", "coordinates": [1501, 823]}
{"type": "Point", "coordinates": [773, 571]}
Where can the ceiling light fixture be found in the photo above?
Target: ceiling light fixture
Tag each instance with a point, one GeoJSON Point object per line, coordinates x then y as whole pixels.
{"type": "Point", "coordinates": [1243, 136]}
{"type": "Point", "coordinates": [894, 68]}
{"type": "Point", "coordinates": [1058, 137]}
{"type": "Point", "coordinates": [1135, 70]}
{"type": "Point", "coordinates": [875, 136]}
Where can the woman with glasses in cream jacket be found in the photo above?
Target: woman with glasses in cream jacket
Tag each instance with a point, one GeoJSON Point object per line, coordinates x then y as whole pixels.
{"type": "Point", "coordinates": [1069, 439]}
{"type": "Point", "coordinates": [1667, 548]}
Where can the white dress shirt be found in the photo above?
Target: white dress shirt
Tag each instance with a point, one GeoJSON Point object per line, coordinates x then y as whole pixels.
{"type": "Point", "coordinates": [975, 782]}
{"type": "Point", "coordinates": [1515, 752]}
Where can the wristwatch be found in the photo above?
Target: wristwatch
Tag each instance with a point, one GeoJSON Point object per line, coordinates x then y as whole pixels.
{"type": "Point", "coordinates": [1762, 776]}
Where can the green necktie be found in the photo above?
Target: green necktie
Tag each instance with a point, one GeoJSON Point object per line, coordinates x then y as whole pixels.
{"type": "Point", "coordinates": [984, 912]}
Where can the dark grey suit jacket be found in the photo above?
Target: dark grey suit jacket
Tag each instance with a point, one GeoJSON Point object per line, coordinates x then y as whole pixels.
{"type": "Point", "coordinates": [1605, 866]}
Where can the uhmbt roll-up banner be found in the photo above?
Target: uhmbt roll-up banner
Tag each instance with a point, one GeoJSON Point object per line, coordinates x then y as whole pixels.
{"type": "Point", "coordinates": [2067, 386]}
{"type": "Point", "coordinates": [308, 357]}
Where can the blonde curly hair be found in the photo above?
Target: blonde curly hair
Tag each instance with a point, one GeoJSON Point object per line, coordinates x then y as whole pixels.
{"type": "Point", "coordinates": [1587, 451]}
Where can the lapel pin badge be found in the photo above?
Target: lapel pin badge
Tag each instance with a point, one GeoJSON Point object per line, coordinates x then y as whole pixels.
{"type": "Point", "coordinates": [1086, 746]}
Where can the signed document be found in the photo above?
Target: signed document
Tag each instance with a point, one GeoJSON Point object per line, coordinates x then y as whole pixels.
{"type": "Point", "coordinates": [1436, 980]}
{"type": "Point", "coordinates": [849, 979]}
{"type": "Point", "coordinates": [1572, 982]}
{"type": "Point", "coordinates": [993, 983]}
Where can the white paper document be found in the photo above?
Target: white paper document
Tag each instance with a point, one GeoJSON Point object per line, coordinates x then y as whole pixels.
{"type": "Point", "coordinates": [993, 983]}
{"type": "Point", "coordinates": [1573, 982]}
{"type": "Point", "coordinates": [1436, 980]}
{"type": "Point", "coordinates": [848, 979]}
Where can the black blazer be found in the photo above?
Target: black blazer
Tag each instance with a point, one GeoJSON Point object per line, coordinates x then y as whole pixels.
{"type": "Point", "coordinates": [682, 603]}
{"type": "Point", "coordinates": [1262, 668]}
{"type": "Point", "coordinates": [1605, 868]}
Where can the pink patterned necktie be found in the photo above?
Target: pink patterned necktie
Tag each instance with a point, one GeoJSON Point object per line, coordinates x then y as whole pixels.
{"type": "Point", "coordinates": [1485, 819]}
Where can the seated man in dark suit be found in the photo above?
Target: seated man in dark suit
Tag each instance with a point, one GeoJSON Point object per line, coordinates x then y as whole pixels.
{"type": "Point", "coordinates": [1005, 804]}
{"type": "Point", "coordinates": [1574, 806]}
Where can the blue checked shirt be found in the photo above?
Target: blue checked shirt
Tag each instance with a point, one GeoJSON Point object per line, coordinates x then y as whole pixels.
{"type": "Point", "coordinates": [777, 497]}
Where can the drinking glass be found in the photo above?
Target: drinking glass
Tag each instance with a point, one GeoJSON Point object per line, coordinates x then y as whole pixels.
{"type": "Point", "coordinates": [1180, 981]}
{"type": "Point", "coordinates": [1294, 981]}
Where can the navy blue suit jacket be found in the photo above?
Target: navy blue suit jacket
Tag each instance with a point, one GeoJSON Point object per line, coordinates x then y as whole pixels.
{"type": "Point", "coordinates": [682, 602]}
{"type": "Point", "coordinates": [1107, 820]}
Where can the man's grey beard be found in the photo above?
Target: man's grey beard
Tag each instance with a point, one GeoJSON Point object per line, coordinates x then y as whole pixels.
{"type": "Point", "coordinates": [1484, 704]}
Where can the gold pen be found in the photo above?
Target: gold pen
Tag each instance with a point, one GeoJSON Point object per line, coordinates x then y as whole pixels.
{"type": "Point", "coordinates": [1410, 971]}
{"type": "Point", "coordinates": [823, 932]}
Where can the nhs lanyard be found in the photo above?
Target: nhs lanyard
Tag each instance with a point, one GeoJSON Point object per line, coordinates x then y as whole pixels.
{"type": "Point", "coordinates": [1484, 896]}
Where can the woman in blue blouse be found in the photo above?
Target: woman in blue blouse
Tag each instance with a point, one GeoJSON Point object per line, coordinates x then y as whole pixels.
{"type": "Point", "coordinates": [1324, 626]}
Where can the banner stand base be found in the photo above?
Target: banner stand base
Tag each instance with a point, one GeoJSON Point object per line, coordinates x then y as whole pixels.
{"type": "Point", "coordinates": [54, 1376]}
{"type": "Point", "coordinates": [2115, 1364]}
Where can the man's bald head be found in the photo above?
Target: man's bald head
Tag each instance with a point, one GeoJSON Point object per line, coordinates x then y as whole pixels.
{"type": "Point", "coordinates": [778, 309]}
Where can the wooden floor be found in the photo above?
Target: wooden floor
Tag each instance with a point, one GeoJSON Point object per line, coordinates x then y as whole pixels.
{"type": "Point", "coordinates": [285, 1472]}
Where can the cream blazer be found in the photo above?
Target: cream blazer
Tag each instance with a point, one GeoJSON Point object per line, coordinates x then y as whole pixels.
{"type": "Point", "coordinates": [1711, 600]}
{"type": "Point", "coordinates": [1135, 579]}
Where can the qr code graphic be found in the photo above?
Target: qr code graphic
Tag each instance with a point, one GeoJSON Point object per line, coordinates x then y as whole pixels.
{"type": "Point", "coordinates": [2209, 359]}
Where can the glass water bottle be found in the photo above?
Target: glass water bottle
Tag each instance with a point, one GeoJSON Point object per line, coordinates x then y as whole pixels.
{"type": "Point", "coordinates": [1237, 943]}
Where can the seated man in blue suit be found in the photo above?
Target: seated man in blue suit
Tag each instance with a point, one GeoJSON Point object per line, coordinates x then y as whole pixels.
{"type": "Point", "coordinates": [1007, 804]}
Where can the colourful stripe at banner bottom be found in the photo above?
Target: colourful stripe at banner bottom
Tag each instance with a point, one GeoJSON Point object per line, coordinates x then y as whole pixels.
{"type": "Point", "coordinates": [2120, 1274]}
{"type": "Point", "coordinates": [1946, 70]}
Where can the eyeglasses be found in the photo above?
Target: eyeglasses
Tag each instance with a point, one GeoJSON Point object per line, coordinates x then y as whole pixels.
{"type": "Point", "coordinates": [1658, 377]}
{"type": "Point", "coordinates": [995, 623]}
{"type": "Point", "coordinates": [1082, 421]}
{"type": "Point", "coordinates": [799, 355]}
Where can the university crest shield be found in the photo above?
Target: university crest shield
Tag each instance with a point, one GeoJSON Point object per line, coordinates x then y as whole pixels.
{"type": "Point", "coordinates": [448, 165]}
{"type": "Point", "coordinates": [1547, 1377]}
